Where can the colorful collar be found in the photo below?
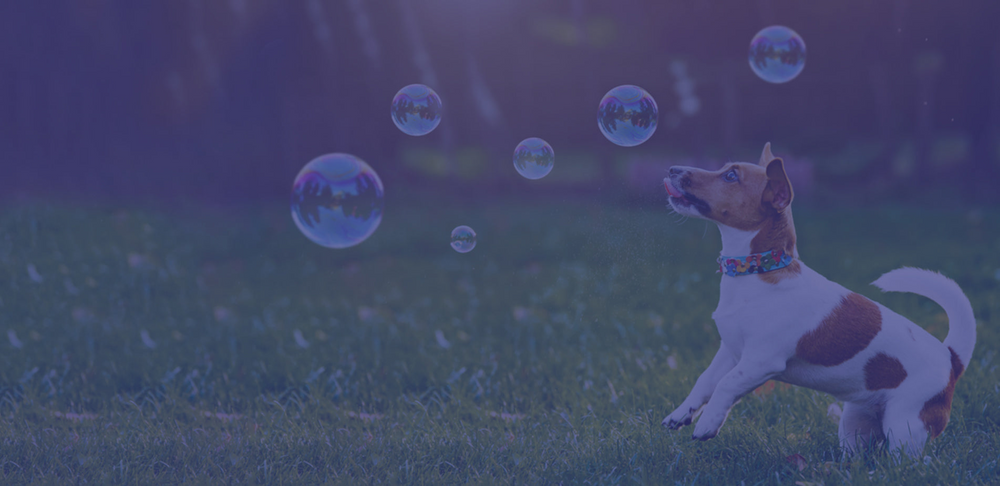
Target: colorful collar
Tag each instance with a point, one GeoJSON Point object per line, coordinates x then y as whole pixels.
{"type": "Point", "coordinates": [756, 263]}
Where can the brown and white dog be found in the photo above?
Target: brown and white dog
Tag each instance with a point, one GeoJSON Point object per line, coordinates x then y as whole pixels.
{"type": "Point", "coordinates": [779, 319]}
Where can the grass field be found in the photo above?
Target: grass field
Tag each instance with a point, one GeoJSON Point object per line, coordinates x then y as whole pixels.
{"type": "Point", "coordinates": [223, 347]}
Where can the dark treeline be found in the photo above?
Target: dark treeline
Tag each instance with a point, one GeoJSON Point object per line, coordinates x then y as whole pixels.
{"type": "Point", "coordinates": [228, 99]}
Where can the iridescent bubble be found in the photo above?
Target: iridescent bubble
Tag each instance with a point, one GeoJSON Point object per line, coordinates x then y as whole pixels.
{"type": "Point", "coordinates": [337, 200]}
{"type": "Point", "coordinates": [534, 158]}
{"type": "Point", "coordinates": [627, 115]}
{"type": "Point", "coordinates": [416, 110]}
{"type": "Point", "coordinates": [777, 54]}
{"type": "Point", "coordinates": [463, 239]}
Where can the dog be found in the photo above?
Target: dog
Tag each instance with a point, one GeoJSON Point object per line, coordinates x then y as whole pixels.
{"type": "Point", "coordinates": [780, 320]}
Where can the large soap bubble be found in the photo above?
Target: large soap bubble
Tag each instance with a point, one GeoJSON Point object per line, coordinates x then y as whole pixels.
{"type": "Point", "coordinates": [416, 110]}
{"type": "Point", "coordinates": [463, 239]}
{"type": "Point", "coordinates": [534, 158]}
{"type": "Point", "coordinates": [627, 115]}
{"type": "Point", "coordinates": [777, 54]}
{"type": "Point", "coordinates": [337, 200]}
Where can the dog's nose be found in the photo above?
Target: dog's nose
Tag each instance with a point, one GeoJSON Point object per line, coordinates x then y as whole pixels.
{"type": "Point", "coordinates": [676, 171]}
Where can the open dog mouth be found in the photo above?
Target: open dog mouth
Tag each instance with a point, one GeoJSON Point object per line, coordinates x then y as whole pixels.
{"type": "Point", "coordinates": [683, 199]}
{"type": "Point", "coordinates": [676, 195]}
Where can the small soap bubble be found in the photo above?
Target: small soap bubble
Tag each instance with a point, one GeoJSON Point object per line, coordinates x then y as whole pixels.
{"type": "Point", "coordinates": [627, 115]}
{"type": "Point", "coordinates": [463, 239]}
{"type": "Point", "coordinates": [337, 200]}
{"type": "Point", "coordinates": [777, 54]}
{"type": "Point", "coordinates": [534, 158]}
{"type": "Point", "coordinates": [416, 110]}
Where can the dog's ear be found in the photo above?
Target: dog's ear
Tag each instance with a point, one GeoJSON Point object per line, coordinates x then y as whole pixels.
{"type": "Point", "coordinates": [765, 156]}
{"type": "Point", "coordinates": [778, 192]}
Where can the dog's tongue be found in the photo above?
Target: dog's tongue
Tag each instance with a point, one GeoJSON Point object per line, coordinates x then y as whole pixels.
{"type": "Point", "coordinates": [670, 188]}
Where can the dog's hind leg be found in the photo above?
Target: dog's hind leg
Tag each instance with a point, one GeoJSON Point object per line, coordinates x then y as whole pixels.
{"type": "Point", "coordinates": [860, 427]}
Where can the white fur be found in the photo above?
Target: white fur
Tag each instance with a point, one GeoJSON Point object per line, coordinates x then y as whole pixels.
{"type": "Point", "coordinates": [761, 323]}
{"type": "Point", "coordinates": [943, 290]}
{"type": "Point", "coordinates": [736, 242]}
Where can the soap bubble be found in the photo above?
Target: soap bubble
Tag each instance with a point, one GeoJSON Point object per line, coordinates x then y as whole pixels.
{"type": "Point", "coordinates": [337, 200]}
{"type": "Point", "coordinates": [777, 54]}
{"type": "Point", "coordinates": [463, 239]}
{"type": "Point", "coordinates": [416, 110]}
{"type": "Point", "coordinates": [627, 115]}
{"type": "Point", "coordinates": [534, 158]}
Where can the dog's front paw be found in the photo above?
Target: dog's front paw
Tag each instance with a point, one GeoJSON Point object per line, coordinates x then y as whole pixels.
{"type": "Point", "coordinates": [704, 434]}
{"type": "Point", "coordinates": [679, 418]}
{"type": "Point", "coordinates": [706, 428]}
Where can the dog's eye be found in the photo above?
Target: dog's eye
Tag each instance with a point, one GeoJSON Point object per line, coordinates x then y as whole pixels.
{"type": "Point", "coordinates": [731, 176]}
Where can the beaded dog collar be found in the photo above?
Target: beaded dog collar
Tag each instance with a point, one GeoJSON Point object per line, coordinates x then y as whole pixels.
{"type": "Point", "coordinates": [755, 263]}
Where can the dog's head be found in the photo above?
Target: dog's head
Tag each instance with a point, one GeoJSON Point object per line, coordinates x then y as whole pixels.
{"type": "Point", "coordinates": [740, 195]}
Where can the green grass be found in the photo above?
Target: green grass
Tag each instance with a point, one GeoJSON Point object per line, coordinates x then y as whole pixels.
{"type": "Point", "coordinates": [572, 330]}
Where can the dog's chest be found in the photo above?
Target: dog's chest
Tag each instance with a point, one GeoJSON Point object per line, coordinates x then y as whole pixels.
{"type": "Point", "coordinates": [741, 312]}
{"type": "Point", "coordinates": [753, 310]}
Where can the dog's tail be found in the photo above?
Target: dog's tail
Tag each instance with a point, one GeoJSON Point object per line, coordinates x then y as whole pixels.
{"type": "Point", "coordinates": [943, 290]}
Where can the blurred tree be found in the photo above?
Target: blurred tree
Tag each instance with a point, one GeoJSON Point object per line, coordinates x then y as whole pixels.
{"type": "Point", "coordinates": [227, 100]}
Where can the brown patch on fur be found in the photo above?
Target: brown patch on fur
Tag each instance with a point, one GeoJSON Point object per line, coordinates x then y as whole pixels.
{"type": "Point", "coordinates": [845, 332]}
{"type": "Point", "coordinates": [777, 232]}
{"type": "Point", "coordinates": [733, 204]}
{"type": "Point", "coordinates": [937, 410]}
{"type": "Point", "coordinates": [883, 371]}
